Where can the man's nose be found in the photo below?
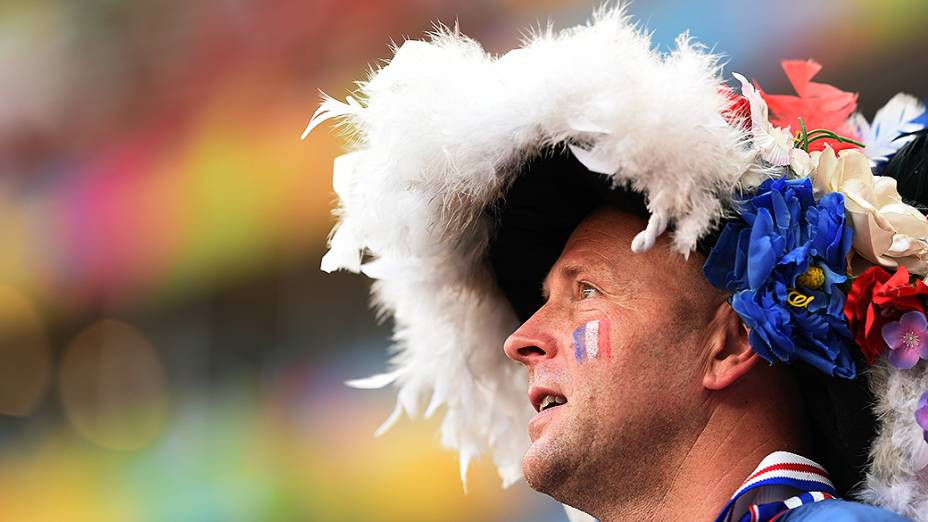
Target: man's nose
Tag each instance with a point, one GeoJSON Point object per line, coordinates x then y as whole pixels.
{"type": "Point", "coordinates": [532, 342]}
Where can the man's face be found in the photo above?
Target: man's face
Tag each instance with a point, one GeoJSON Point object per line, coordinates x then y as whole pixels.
{"type": "Point", "coordinates": [618, 339]}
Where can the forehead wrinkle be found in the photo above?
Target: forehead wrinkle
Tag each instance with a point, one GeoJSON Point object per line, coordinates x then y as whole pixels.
{"type": "Point", "coordinates": [610, 254]}
{"type": "Point", "coordinates": [605, 236]}
{"type": "Point", "coordinates": [597, 263]}
{"type": "Point", "coordinates": [608, 247]}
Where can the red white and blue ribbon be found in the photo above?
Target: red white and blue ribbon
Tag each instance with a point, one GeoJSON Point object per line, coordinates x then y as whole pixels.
{"type": "Point", "coordinates": [786, 470]}
{"type": "Point", "coordinates": [770, 511]}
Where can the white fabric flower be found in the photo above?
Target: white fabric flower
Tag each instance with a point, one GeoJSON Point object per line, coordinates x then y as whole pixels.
{"type": "Point", "coordinates": [887, 232]}
{"type": "Point", "coordinates": [773, 143]}
{"type": "Point", "coordinates": [802, 163]}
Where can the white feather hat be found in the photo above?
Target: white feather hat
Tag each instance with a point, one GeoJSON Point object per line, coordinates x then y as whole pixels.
{"type": "Point", "coordinates": [441, 133]}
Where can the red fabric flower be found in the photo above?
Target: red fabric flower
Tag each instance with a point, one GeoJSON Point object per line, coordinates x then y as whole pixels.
{"type": "Point", "coordinates": [821, 106]}
{"type": "Point", "coordinates": [899, 293]}
{"type": "Point", "coordinates": [876, 298]}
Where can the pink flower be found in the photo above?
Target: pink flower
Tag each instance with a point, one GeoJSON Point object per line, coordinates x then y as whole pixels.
{"type": "Point", "coordinates": [921, 414]}
{"type": "Point", "coordinates": [907, 339]}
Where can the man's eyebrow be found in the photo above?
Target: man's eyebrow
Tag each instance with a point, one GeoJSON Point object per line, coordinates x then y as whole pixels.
{"type": "Point", "coordinates": [567, 271]}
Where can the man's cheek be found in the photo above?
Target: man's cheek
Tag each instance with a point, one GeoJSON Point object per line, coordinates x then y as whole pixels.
{"type": "Point", "coordinates": [591, 340]}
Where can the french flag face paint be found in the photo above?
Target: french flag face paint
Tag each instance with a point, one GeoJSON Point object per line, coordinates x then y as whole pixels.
{"type": "Point", "coordinates": [592, 341]}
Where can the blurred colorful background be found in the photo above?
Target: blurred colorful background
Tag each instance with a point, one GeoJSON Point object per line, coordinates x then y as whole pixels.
{"type": "Point", "coordinates": [169, 350]}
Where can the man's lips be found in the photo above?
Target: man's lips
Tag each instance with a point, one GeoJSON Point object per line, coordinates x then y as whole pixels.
{"type": "Point", "coordinates": [547, 409]}
{"type": "Point", "coordinates": [544, 398]}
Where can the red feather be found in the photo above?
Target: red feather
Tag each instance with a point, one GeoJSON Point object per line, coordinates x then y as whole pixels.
{"type": "Point", "coordinates": [821, 106]}
{"type": "Point", "coordinates": [739, 108]}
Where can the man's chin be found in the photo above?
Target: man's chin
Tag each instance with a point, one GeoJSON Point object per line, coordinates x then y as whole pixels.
{"type": "Point", "coordinates": [546, 466]}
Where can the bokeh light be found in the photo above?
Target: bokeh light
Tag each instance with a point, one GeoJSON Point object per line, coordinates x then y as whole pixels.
{"type": "Point", "coordinates": [25, 361]}
{"type": "Point", "coordinates": [112, 386]}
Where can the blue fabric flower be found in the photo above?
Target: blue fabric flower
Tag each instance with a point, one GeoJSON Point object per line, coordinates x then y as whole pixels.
{"type": "Point", "coordinates": [783, 261]}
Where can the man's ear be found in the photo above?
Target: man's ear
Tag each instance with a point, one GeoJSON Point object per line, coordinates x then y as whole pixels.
{"type": "Point", "coordinates": [728, 355]}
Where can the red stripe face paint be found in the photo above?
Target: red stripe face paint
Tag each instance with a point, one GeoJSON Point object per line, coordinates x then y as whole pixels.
{"type": "Point", "coordinates": [591, 341]}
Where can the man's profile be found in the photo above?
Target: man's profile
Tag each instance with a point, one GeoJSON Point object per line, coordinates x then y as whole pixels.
{"type": "Point", "coordinates": [710, 302]}
{"type": "Point", "coordinates": [632, 440]}
{"type": "Point", "coordinates": [629, 408]}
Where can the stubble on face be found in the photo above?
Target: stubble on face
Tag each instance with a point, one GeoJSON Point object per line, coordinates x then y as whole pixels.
{"type": "Point", "coordinates": [624, 414]}
{"type": "Point", "coordinates": [620, 419]}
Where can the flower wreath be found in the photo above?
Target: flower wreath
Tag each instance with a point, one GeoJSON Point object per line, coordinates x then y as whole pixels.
{"type": "Point", "coordinates": [824, 259]}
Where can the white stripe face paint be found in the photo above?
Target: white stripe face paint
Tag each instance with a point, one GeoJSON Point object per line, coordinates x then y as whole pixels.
{"type": "Point", "coordinates": [591, 339]}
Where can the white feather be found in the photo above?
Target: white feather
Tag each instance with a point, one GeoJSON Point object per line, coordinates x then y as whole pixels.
{"type": "Point", "coordinates": [595, 161]}
{"type": "Point", "coordinates": [373, 382]}
{"type": "Point", "coordinates": [391, 420]}
{"type": "Point", "coordinates": [344, 251]}
{"type": "Point", "coordinates": [897, 479]}
{"type": "Point", "coordinates": [330, 108]}
{"type": "Point", "coordinates": [773, 144]}
{"type": "Point", "coordinates": [891, 121]}
{"type": "Point", "coordinates": [575, 515]}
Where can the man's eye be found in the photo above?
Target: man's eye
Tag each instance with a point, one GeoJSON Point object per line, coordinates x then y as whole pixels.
{"type": "Point", "coordinates": [587, 291]}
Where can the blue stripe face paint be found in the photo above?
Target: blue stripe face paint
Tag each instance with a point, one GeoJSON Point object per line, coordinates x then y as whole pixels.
{"type": "Point", "coordinates": [579, 343]}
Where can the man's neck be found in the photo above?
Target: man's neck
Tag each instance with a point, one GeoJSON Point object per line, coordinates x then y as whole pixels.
{"type": "Point", "coordinates": [724, 454]}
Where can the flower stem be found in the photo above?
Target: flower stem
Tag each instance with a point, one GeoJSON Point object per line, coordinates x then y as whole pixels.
{"type": "Point", "coordinates": [834, 136]}
{"type": "Point", "coordinates": [805, 136]}
{"type": "Point", "coordinates": [808, 137]}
